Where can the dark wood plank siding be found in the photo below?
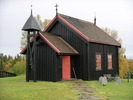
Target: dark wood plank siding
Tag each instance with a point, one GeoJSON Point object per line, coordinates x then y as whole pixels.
{"type": "Point", "coordinates": [46, 63]}
{"type": "Point", "coordinates": [114, 51]}
{"type": "Point", "coordinates": [95, 48]}
{"type": "Point", "coordinates": [104, 50]}
{"type": "Point", "coordinates": [78, 43]}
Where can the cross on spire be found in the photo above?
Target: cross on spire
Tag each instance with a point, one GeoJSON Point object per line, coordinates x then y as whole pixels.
{"type": "Point", "coordinates": [56, 9]}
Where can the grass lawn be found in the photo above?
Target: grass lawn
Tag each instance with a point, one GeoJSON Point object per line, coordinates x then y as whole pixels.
{"type": "Point", "coordinates": [112, 91]}
{"type": "Point", "coordinates": [15, 88]}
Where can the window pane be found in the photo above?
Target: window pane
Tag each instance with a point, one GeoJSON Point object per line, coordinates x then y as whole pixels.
{"type": "Point", "coordinates": [109, 61]}
{"type": "Point", "coordinates": [98, 61]}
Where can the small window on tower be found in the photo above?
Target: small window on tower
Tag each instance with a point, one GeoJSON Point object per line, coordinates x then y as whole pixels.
{"type": "Point", "coordinates": [110, 61]}
{"type": "Point", "coordinates": [98, 61]}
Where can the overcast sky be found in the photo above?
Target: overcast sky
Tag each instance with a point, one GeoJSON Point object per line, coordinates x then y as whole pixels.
{"type": "Point", "coordinates": [115, 14]}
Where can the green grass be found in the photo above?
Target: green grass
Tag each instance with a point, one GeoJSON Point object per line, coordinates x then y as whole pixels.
{"type": "Point", "coordinates": [112, 91]}
{"type": "Point", "coordinates": [15, 88]}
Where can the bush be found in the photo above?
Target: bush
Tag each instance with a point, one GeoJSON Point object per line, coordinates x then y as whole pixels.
{"type": "Point", "coordinates": [19, 68]}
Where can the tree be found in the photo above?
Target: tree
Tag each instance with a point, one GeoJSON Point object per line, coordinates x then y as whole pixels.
{"type": "Point", "coordinates": [1, 64]}
{"type": "Point", "coordinates": [112, 32]}
{"type": "Point", "coordinates": [7, 66]}
{"type": "Point", "coordinates": [19, 68]}
{"type": "Point", "coordinates": [23, 40]}
{"type": "Point", "coordinates": [123, 66]}
{"type": "Point", "coordinates": [41, 23]}
{"type": "Point", "coordinates": [130, 64]}
{"type": "Point", "coordinates": [7, 62]}
{"type": "Point", "coordinates": [46, 22]}
{"type": "Point", "coordinates": [5, 59]}
{"type": "Point", "coordinates": [123, 63]}
{"type": "Point", "coordinates": [1, 61]}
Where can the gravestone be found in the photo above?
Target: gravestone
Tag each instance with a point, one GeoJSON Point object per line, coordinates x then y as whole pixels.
{"type": "Point", "coordinates": [100, 79]}
{"type": "Point", "coordinates": [103, 80]}
{"type": "Point", "coordinates": [117, 80]}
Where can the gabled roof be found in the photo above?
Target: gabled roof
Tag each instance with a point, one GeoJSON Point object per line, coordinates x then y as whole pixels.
{"type": "Point", "coordinates": [93, 32]}
{"type": "Point", "coordinates": [31, 24]}
{"type": "Point", "coordinates": [87, 30]}
{"type": "Point", "coordinates": [57, 43]}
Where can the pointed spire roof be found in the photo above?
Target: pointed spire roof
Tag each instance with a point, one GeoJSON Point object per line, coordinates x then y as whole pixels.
{"type": "Point", "coordinates": [31, 24]}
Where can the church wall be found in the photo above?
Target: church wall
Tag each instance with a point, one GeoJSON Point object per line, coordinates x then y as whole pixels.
{"type": "Point", "coordinates": [46, 62]}
{"type": "Point", "coordinates": [79, 62]}
{"type": "Point", "coordinates": [104, 50]}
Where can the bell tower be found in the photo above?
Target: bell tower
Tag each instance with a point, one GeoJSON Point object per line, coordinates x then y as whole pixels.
{"type": "Point", "coordinates": [32, 28]}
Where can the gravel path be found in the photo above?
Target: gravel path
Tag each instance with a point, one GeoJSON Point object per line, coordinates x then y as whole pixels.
{"type": "Point", "coordinates": [83, 90]}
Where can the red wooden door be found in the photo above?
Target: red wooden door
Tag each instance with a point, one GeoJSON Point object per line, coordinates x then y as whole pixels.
{"type": "Point", "coordinates": [66, 67]}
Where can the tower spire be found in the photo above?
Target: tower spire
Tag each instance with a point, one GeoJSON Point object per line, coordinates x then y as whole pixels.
{"type": "Point", "coordinates": [95, 19]}
{"type": "Point", "coordinates": [56, 9]}
{"type": "Point", "coordinates": [31, 24]}
{"type": "Point", "coordinates": [31, 9]}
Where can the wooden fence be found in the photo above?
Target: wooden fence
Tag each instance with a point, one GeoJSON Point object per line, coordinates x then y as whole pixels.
{"type": "Point", "coordinates": [6, 74]}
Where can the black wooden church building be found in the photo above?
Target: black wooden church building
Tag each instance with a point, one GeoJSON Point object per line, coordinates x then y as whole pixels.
{"type": "Point", "coordinates": [69, 48]}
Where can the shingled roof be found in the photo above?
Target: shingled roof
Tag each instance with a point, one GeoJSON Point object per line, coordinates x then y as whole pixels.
{"type": "Point", "coordinates": [31, 24]}
{"type": "Point", "coordinates": [57, 43]}
{"type": "Point", "coordinates": [60, 44]}
{"type": "Point", "coordinates": [89, 31]}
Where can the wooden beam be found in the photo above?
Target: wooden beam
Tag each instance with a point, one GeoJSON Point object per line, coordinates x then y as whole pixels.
{"type": "Point", "coordinates": [28, 59]}
{"type": "Point", "coordinates": [34, 57]}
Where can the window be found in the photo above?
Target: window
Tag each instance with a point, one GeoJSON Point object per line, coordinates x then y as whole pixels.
{"type": "Point", "coordinates": [109, 61]}
{"type": "Point", "coordinates": [98, 61]}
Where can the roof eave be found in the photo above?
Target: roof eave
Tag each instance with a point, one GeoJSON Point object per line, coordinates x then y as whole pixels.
{"type": "Point", "coordinates": [105, 43]}
{"type": "Point", "coordinates": [66, 54]}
